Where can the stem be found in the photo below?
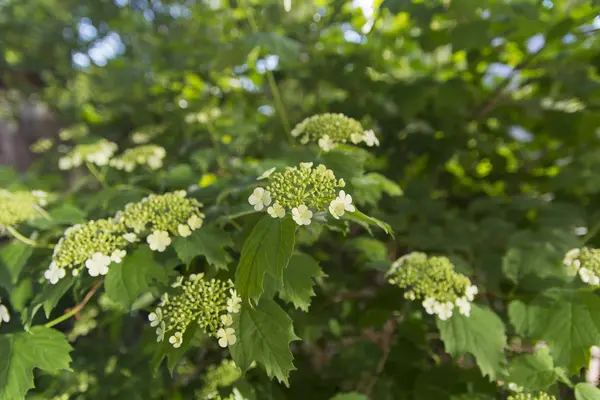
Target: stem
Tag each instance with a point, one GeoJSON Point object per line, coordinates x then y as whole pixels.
{"type": "Point", "coordinates": [75, 310]}
{"type": "Point", "coordinates": [96, 173]}
{"type": "Point", "coordinates": [591, 233]}
{"type": "Point", "coordinates": [279, 106]}
{"type": "Point", "coordinates": [24, 239]}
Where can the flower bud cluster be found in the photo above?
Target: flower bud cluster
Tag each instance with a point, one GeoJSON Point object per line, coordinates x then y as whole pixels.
{"type": "Point", "coordinates": [216, 376]}
{"type": "Point", "coordinates": [301, 190]}
{"type": "Point", "coordinates": [209, 303]}
{"type": "Point", "coordinates": [74, 132]}
{"type": "Point", "coordinates": [161, 214]}
{"type": "Point", "coordinates": [433, 281]}
{"type": "Point", "coordinates": [584, 262]}
{"type": "Point", "coordinates": [19, 206]}
{"type": "Point", "coordinates": [98, 153]}
{"type": "Point", "coordinates": [150, 155]}
{"type": "Point", "coordinates": [531, 396]}
{"type": "Point", "coordinates": [328, 130]}
{"type": "Point", "coordinates": [94, 245]}
{"type": "Point", "coordinates": [41, 145]}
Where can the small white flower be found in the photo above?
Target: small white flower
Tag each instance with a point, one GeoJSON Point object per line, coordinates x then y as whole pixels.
{"type": "Point", "coordinates": [176, 340]}
{"type": "Point", "coordinates": [370, 138]}
{"type": "Point", "coordinates": [585, 275]}
{"type": "Point", "coordinates": [54, 274]}
{"type": "Point", "coordinates": [65, 163]}
{"type": "Point", "coordinates": [155, 318]}
{"type": "Point", "coordinates": [154, 162]}
{"type": "Point", "coordinates": [302, 215]}
{"type": "Point", "coordinates": [234, 303]}
{"type": "Point", "coordinates": [226, 337]}
{"type": "Point", "coordinates": [178, 282]}
{"type": "Point", "coordinates": [160, 332]}
{"type": "Point", "coordinates": [98, 264]}
{"type": "Point", "coordinates": [512, 386]}
{"type": "Point", "coordinates": [341, 182]}
{"type": "Point", "coordinates": [464, 306]}
{"type": "Point", "coordinates": [326, 144]}
{"type": "Point", "coordinates": [306, 165]}
{"type": "Point", "coordinates": [130, 237]}
{"type": "Point", "coordinates": [444, 310]}
{"type": "Point", "coordinates": [226, 319]}
{"type": "Point", "coordinates": [4, 314]}
{"type": "Point", "coordinates": [159, 240]}
{"type": "Point", "coordinates": [181, 193]}
{"type": "Point", "coordinates": [276, 211]}
{"type": "Point", "coordinates": [471, 292]}
{"type": "Point", "coordinates": [117, 256]}
{"type": "Point", "coordinates": [571, 256]}
{"type": "Point", "coordinates": [266, 174]}
{"type": "Point", "coordinates": [184, 230]}
{"type": "Point", "coordinates": [260, 198]}
{"type": "Point", "coordinates": [594, 280]}
{"type": "Point", "coordinates": [196, 277]}
{"type": "Point", "coordinates": [356, 138]}
{"type": "Point", "coordinates": [346, 199]}
{"type": "Point", "coordinates": [164, 299]}
{"type": "Point", "coordinates": [195, 222]}
{"type": "Point", "coordinates": [410, 296]}
{"type": "Point", "coordinates": [75, 272]}
{"type": "Point", "coordinates": [336, 208]}
{"type": "Point", "coordinates": [429, 305]}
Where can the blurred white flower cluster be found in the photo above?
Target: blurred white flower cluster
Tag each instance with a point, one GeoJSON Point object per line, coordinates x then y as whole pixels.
{"type": "Point", "coordinates": [98, 153]}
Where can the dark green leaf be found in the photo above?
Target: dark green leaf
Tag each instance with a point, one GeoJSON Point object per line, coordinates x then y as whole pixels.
{"type": "Point", "coordinates": [298, 280]}
{"type": "Point", "coordinates": [207, 241]}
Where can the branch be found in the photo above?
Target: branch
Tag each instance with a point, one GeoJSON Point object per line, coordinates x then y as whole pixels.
{"type": "Point", "coordinates": [75, 310]}
{"type": "Point", "coordinates": [389, 331]}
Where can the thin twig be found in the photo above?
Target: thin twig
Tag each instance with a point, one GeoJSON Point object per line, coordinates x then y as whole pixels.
{"type": "Point", "coordinates": [389, 331]}
{"type": "Point", "coordinates": [75, 310]}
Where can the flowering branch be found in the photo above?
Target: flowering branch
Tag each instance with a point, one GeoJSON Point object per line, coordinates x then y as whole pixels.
{"type": "Point", "coordinates": [75, 310]}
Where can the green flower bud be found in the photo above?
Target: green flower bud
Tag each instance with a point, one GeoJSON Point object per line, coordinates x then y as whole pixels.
{"type": "Point", "coordinates": [433, 281]}
{"type": "Point", "coordinates": [219, 376]}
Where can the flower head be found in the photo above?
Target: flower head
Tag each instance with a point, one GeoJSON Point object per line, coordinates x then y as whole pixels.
{"type": "Point", "coordinates": [196, 300]}
{"type": "Point", "coordinates": [150, 155]}
{"type": "Point", "coordinates": [328, 130]}
{"type": "Point", "coordinates": [98, 153]}
{"type": "Point", "coordinates": [260, 198]}
{"type": "Point", "coordinates": [433, 281]}
{"type": "Point", "coordinates": [584, 262]}
{"type": "Point", "coordinates": [531, 396]}
{"type": "Point", "coordinates": [20, 206]}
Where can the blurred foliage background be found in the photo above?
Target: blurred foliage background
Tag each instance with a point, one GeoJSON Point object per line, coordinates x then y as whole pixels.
{"type": "Point", "coordinates": [488, 117]}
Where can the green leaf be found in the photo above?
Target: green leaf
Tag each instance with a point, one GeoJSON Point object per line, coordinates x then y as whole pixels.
{"type": "Point", "coordinates": [533, 371]}
{"type": "Point", "coordinates": [42, 348]}
{"type": "Point", "coordinates": [298, 280]}
{"type": "Point", "coordinates": [365, 221]}
{"type": "Point", "coordinates": [568, 320]}
{"type": "Point", "coordinates": [48, 298]}
{"type": "Point", "coordinates": [207, 241]}
{"type": "Point", "coordinates": [349, 396]}
{"type": "Point", "coordinates": [519, 264]}
{"type": "Point", "coordinates": [133, 276]}
{"type": "Point", "coordinates": [268, 249]}
{"type": "Point", "coordinates": [14, 256]}
{"type": "Point", "coordinates": [287, 49]}
{"type": "Point", "coordinates": [481, 334]}
{"type": "Point", "coordinates": [586, 391]}
{"type": "Point", "coordinates": [264, 334]}
{"type": "Point", "coordinates": [21, 294]}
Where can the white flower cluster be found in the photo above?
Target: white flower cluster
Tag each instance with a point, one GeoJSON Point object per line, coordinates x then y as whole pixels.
{"type": "Point", "coordinates": [150, 155]}
{"type": "Point", "coordinates": [4, 315]}
{"type": "Point", "coordinates": [445, 310]}
{"type": "Point", "coordinates": [98, 153]}
{"type": "Point", "coordinates": [96, 265]}
{"type": "Point", "coordinates": [584, 262]}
